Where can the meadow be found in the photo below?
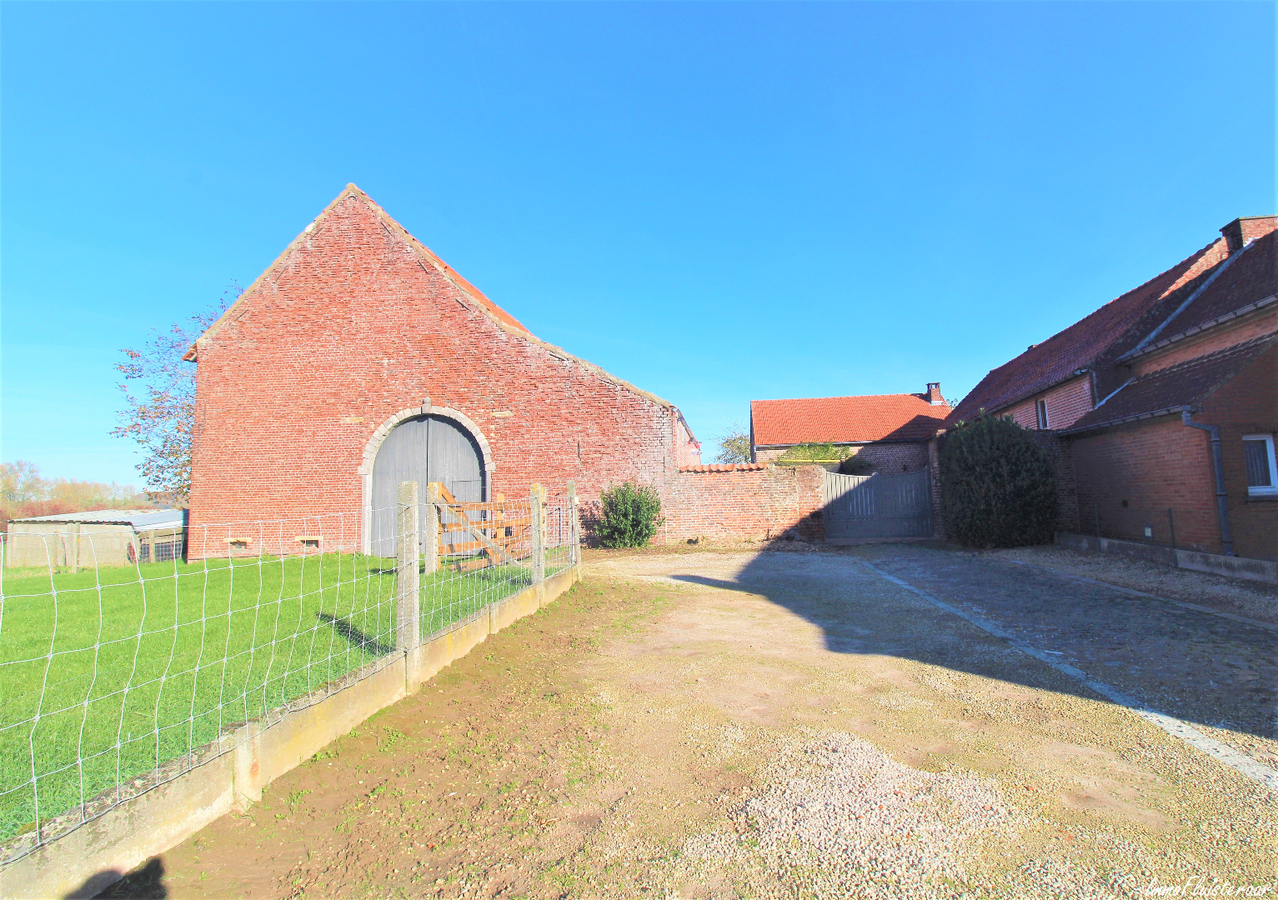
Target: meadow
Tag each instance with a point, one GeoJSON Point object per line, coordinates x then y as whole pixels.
{"type": "Point", "coordinates": [108, 676]}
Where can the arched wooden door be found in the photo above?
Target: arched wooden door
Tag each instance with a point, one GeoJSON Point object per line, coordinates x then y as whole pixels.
{"type": "Point", "coordinates": [425, 449]}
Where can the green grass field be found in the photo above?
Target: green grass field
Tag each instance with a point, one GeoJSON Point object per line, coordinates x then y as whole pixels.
{"type": "Point", "coordinates": [128, 669]}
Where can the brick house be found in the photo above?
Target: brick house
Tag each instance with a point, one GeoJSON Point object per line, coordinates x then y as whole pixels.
{"type": "Point", "coordinates": [359, 358]}
{"type": "Point", "coordinates": [890, 431]}
{"type": "Point", "coordinates": [1162, 406]}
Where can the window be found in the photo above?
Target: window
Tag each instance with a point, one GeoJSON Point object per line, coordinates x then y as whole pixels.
{"type": "Point", "coordinates": [1262, 474]}
{"type": "Point", "coordinates": [1041, 409]}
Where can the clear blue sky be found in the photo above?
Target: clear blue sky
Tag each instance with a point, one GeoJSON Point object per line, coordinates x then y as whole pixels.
{"type": "Point", "coordinates": [717, 202]}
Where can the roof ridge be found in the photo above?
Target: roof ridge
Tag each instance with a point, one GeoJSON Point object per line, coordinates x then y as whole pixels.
{"type": "Point", "coordinates": [1215, 272]}
{"type": "Point", "coordinates": [840, 397]}
{"type": "Point", "coordinates": [1175, 285]}
{"type": "Point", "coordinates": [486, 306]}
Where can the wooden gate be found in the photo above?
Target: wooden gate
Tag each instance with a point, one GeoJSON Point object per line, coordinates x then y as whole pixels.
{"type": "Point", "coordinates": [878, 506]}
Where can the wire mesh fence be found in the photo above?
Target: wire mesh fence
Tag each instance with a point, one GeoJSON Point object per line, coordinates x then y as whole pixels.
{"type": "Point", "coordinates": [119, 678]}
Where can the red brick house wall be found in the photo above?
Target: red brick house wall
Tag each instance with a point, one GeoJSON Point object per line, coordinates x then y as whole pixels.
{"type": "Point", "coordinates": [1066, 404]}
{"type": "Point", "coordinates": [1248, 404]}
{"type": "Point", "coordinates": [1149, 467]}
{"type": "Point", "coordinates": [1218, 338]}
{"type": "Point", "coordinates": [349, 328]}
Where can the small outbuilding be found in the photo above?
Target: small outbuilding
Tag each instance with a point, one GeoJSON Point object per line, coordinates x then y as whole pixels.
{"type": "Point", "coordinates": [104, 537]}
{"type": "Point", "coordinates": [891, 432]}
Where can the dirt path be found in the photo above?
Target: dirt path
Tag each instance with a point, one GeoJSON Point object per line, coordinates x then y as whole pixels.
{"type": "Point", "coordinates": [722, 725]}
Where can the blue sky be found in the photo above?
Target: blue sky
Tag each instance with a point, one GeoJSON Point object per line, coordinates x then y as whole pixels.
{"type": "Point", "coordinates": [718, 202]}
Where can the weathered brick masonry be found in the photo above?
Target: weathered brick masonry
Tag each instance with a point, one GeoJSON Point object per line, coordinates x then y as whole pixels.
{"type": "Point", "coordinates": [751, 501]}
{"type": "Point", "coordinates": [355, 323]}
{"type": "Point", "coordinates": [1131, 475]}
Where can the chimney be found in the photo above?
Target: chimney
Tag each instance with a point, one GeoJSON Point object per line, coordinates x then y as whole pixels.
{"type": "Point", "coordinates": [1243, 231]}
{"type": "Point", "coordinates": [934, 393]}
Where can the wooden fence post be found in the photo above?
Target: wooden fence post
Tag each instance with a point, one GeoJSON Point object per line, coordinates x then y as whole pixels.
{"type": "Point", "coordinates": [406, 562]}
{"type": "Point", "coordinates": [536, 503]}
{"type": "Point", "coordinates": [430, 537]}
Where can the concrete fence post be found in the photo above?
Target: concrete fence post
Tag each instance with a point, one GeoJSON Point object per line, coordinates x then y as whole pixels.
{"type": "Point", "coordinates": [73, 547]}
{"type": "Point", "coordinates": [407, 560]}
{"type": "Point", "coordinates": [536, 503]}
{"type": "Point", "coordinates": [574, 535]}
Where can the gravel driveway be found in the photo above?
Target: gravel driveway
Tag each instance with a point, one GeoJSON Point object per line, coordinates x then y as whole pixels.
{"type": "Point", "coordinates": [787, 725]}
{"type": "Point", "coordinates": [1209, 669]}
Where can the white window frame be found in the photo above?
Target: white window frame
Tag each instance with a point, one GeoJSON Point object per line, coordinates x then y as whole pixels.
{"type": "Point", "coordinates": [1040, 414]}
{"type": "Point", "coordinates": [1272, 490]}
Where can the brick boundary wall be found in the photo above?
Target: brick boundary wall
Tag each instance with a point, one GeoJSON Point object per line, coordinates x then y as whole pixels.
{"type": "Point", "coordinates": [746, 502]}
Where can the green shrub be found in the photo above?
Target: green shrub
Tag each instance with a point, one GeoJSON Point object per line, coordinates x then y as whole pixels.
{"type": "Point", "coordinates": [809, 453]}
{"type": "Point", "coordinates": [997, 485]}
{"type": "Point", "coordinates": [630, 515]}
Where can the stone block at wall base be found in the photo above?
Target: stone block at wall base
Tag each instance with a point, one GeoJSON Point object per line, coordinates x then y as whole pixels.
{"type": "Point", "coordinates": [1213, 563]}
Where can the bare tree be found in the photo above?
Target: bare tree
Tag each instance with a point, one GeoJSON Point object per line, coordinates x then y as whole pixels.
{"type": "Point", "coordinates": [159, 394]}
{"type": "Point", "coordinates": [735, 445]}
{"type": "Point", "coordinates": [23, 493]}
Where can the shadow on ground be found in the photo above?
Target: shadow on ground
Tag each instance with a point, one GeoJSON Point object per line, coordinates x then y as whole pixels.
{"type": "Point", "coordinates": [144, 883]}
{"type": "Point", "coordinates": [1190, 664]}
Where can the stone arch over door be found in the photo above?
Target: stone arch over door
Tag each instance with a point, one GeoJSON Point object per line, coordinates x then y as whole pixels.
{"type": "Point", "coordinates": [421, 444]}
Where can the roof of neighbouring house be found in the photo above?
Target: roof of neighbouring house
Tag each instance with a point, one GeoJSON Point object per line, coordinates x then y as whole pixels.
{"type": "Point", "coordinates": [1167, 391]}
{"type": "Point", "coordinates": [1079, 346]}
{"type": "Point", "coordinates": [138, 518]}
{"type": "Point", "coordinates": [845, 420]}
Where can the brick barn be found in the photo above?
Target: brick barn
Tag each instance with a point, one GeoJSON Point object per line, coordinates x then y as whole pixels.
{"type": "Point", "coordinates": [359, 359]}
{"type": "Point", "coordinates": [1161, 407]}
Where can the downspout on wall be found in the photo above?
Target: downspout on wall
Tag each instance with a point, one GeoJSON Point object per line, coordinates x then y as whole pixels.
{"type": "Point", "coordinates": [1222, 500]}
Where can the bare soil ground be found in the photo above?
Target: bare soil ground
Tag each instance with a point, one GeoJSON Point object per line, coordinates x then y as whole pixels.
{"type": "Point", "coordinates": [741, 725]}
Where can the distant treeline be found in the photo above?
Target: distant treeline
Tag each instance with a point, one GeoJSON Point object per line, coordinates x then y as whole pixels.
{"type": "Point", "coordinates": [24, 493]}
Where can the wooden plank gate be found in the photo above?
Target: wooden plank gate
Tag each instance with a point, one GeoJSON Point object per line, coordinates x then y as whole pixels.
{"type": "Point", "coordinates": [477, 535]}
{"type": "Point", "coordinates": [878, 506]}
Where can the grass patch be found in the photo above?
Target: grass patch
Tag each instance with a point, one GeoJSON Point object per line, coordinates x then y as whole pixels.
{"type": "Point", "coordinates": [108, 675]}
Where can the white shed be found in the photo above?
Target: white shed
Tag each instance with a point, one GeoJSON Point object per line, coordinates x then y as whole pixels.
{"type": "Point", "coordinates": [104, 537]}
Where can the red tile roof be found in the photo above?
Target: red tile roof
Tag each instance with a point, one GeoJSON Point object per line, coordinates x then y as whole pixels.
{"type": "Point", "coordinates": [1250, 276]}
{"type": "Point", "coordinates": [819, 420]}
{"type": "Point", "coordinates": [724, 467]}
{"type": "Point", "coordinates": [1124, 321]}
{"type": "Point", "coordinates": [1185, 384]}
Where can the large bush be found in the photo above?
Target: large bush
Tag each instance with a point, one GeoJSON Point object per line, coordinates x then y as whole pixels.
{"type": "Point", "coordinates": [997, 485]}
{"type": "Point", "coordinates": [630, 514]}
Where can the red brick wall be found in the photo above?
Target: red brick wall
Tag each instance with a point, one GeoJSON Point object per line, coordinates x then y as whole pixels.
{"type": "Point", "coordinates": [893, 459]}
{"type": "Point", "coordinates": [1066, 404]}
{"type": "Point", "coordinates": [1153, 466]}
{"type": "Point", "coordinates": [1217, 338]}
{"type": "Point", "coordinates": [1248, 404]}
{"type": "Point", "coordinates": [756, 504]}
{"type": "Point", "coordinates": [351, 328]}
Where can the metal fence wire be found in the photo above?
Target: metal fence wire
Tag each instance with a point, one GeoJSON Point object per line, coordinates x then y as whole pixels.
{"type": "Point", "coordinates": [117, 679]}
